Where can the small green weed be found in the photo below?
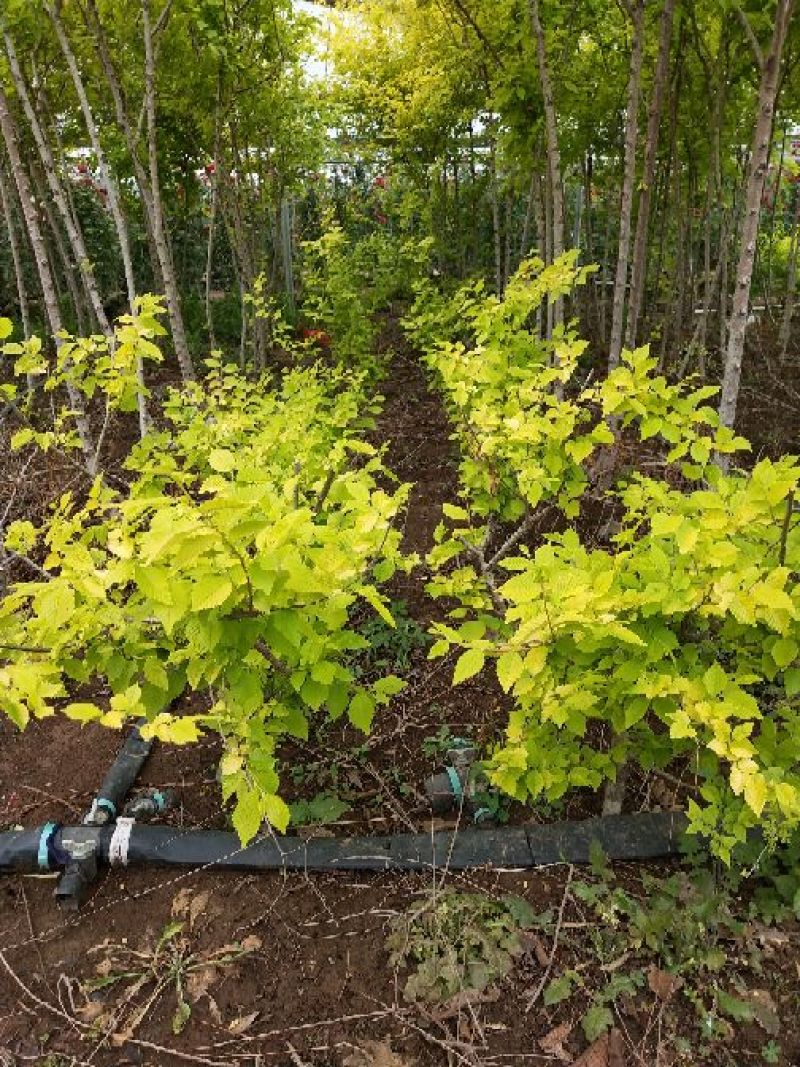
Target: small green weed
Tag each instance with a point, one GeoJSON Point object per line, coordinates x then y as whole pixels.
{"type": "Point", "coordinates": [173, 964]}
{"type": "Point", "coordinates": [321, 809]}
{"type": "Point", "coordinates": [457, 942]}
{"type": "Point", "coordinates": [438, 744]}
{"type": "Point", "coordinates": [679, 935]}
{"type": "Point", "coordinates": [390, 647]}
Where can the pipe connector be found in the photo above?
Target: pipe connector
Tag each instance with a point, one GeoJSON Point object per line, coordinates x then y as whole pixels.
{"type": "Point", "coordinates": [147, 806]}
{"type": "Point", "coordinates": [462, 784]}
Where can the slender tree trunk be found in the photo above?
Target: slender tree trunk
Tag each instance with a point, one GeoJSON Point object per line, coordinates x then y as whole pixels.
{"type": "Point", "coordinates": [497, 235]}
{"type": "Point", "coordinates": [159, 225]}
{"type": "Point", "coordinates": [39, 248]}
{"type": "Point", "coordinates": [162, 260]}
{"type": "Point", "coordinates": [759, 161]}
{"type": "Point", "coordinates": [112, 192]}
{"type": "Point", "coordinates": [212, 220]}
{"type": "Point", "coordinates": [74, 234]}
{"type": "Point", "coordinates": [773, 210]}
{"type": "Point", "coordinates": [16, 256]}
{"type": "Point", "coordinates": [628, 182]}
{"type": "Point", "coordinates": [791, 281]}
{"type": "Point", "coordinates": [542, 238]}
{"type": "Point", "coordinates": [639, 265]}
{"type": "Point", "coordinates": [553, 153]}
{"type": "Point", "coordinates": [604, 276]}
{"type": "Point", "coordinates": [508, 218]}
{"type": "Point", "coordinates": [524, 242]}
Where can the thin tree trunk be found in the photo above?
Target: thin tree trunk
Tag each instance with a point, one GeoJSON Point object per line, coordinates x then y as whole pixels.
{"type": "Point", "coordinates": [639, 265]}
{"type": "Point", "coordinates": [759, 161]}
{"type": "Point", "coordinates": [497, 236]}
{"type": "Point", "coordinates": [112, 192]}
{"type": "Point", "coordinates": [553, 153]}
{"type": "Point", "coordinates": [16, 256]}
{"type": "Point", "coordinates": [628, 182]}
{"type": "Point", "coordinates": [508, 218]}
{"type": "Point", "coordinates": [773, 209]}
{"type": "Point", "coordinates": [162, 260]}
{"type": "Point", "coordinates": [604, 278]}
{"type": "Point", "coordinates": [36, 237]}
{"type": "Point", "coordinates": [791, 282]}
{"type": "Point", "coordinates": [526, 224]}
{"type": "Point", "coordinates": [60, 254]}
{"type": "Point", "coordinates": [159, 226]}
{"type": "Point", "coordinates": [74, 234]}
{"type": "Point", "coordinates": [212, 221]}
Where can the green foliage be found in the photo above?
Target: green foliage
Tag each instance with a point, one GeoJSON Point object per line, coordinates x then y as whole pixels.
{"type": "Point", "coordinates": [230, 567]}
{"type": "Point", "coordinates": [681, 637]}
{"type": "Point", "coordinates": [680, 939]}
{"type": "Point", "coordinates": [391, 640]}
{"type": "Point", "coordinates": [454, 942]}
{"type": "Point", "coordinates": [320, 809]}
{"type": "Point", "coordinates": [93, 366]}
{"type": "Point", "coordinates": [346, 281]}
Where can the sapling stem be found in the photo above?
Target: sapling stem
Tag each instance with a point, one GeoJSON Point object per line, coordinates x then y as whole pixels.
{"type": "Point", "coordinates": [787, 522]}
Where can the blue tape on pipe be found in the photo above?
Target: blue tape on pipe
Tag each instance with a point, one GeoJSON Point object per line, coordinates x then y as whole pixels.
{"type": "Point", "coordinates": [109, 805]}
{"type": "Point", "coordinates": [455, 782]}
{"type": "Point", "coordinates": [159, 800]}
{"type": "Point", "coordinates": [43, 856]}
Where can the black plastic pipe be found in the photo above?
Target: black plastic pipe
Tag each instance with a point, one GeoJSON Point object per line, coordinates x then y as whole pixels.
{"type": "Point", "coordinates": [650, 835]}
{"type": "Point", "coordinates": [120, 778]}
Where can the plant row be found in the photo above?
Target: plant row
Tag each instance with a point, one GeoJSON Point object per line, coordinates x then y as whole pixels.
{"type": "Point", "coordinates": [670, 631]}
{"type": "Point", "coordinates": [254, 522]}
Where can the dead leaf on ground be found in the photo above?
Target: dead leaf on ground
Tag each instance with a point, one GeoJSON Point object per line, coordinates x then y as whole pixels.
{"type": "Point", "coordinates": [375, 1054]}
{"type": "Point", "coordinates": [552, 1044]}
{"type": "Point", "coordinates": [200, 981]}
{"type": "Point", "coordinates": [243, 1023]}
{"type": "Point", "coordinates": [607, 1051]}
{"type": "Point", "coordinates": [663, 984]}
{"type": "Point", "coordinates": [533, 943]}
{"type": "Point", "coordinates": [252, 943]}
{"type": "Point", "coordinates": [765, 1011]}
{"type": "Point", "coordinates": [213, 1010]}
{"type": "Point", "coordinates": [91, 1011]}
{"type": "Point", "coordinates": [190, 905]}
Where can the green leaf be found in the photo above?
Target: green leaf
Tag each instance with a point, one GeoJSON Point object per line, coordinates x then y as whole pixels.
{"type": "Point", "coordinates": [181, 1017]}
{"type": "Point", "coordinates": [559, 989]}
{"type": "Point", "coordinates": [211, 591]}
{"type": "Point", "coordinates": [469, 663]}
{"type": "Point", "coordinates": [221, 460]}
{"type": "Point", "coordinates": [784, 651]}
{"type": "Point", "coordinates": [596, 1021]}
{"type": "Point", "coordinates": [82, 712]}
{"type": "Point", "coordinates": [361, 711]}
{"type": "Point", "coordinates": [509, 668]}
{"type": "Point", "coordinates": [247, 815]}
{"type": "Point", "coordinates": [276, 812]}
{"type": "Point", "coordinates": [738, 1010]}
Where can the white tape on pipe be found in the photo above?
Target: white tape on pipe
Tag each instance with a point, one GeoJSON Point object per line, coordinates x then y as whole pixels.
{"type": "Point", "coordinates": [118, 845]}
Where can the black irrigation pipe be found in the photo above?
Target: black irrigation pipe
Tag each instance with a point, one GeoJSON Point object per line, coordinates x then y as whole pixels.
{"type": "Point", "coordinates": [111, 837]}
{"type": "Point", "coordinates": [646, 836]}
